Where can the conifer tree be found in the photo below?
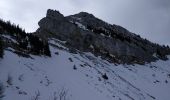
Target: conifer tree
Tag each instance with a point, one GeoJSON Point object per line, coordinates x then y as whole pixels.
{"type": "Point", "coordinates": [1, 48]}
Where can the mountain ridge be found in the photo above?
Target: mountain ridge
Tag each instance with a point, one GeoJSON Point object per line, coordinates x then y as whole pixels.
{"type": "Point", "coordinates": [85, 32]}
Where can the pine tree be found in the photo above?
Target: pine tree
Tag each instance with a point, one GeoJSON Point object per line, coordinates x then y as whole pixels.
{"type": "Point", "coordinates": [1, 48]}
{"type": "Point", "coordinates": [47, 50]}
{"type": "Point", "coordinates": [36, 45]}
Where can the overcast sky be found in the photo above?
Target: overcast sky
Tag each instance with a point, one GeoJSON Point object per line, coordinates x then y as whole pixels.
{"type": "Point", "coordinates": [149, 18]}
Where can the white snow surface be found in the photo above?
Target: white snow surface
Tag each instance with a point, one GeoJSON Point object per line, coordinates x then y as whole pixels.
{"type": "Point", "coordinates": [81, 76]}
{"type": "Point", "coordinates": [81, 26]}
{"type": "Point", "coordinates": [10, 38]}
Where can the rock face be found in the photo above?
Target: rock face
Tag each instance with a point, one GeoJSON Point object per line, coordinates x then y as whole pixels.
{"type": "Point", "coordinates": [85, 32]}
{"type": "Point", "coordinates": [55, 24]}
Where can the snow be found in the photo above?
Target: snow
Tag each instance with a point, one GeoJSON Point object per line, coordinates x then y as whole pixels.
{"type": "Point", "coordinates": [10, 38]}
{"type": "Point", "coordinates": [91, 46]}
{"type": "Point", "coordinates": [77, 18]}
{"type": "Point", "coordinates": [50, 76]}
{"type": "Point", "coordinates": [53, 39]}
{"type": "Point", "coordinates": [102, 34]}
{"type": "Point", "coordinates": [155, 55]}
{"type": "Point", "coordinates": [78, 23]}
{"type": "Point", "coordinates": [81, 26]}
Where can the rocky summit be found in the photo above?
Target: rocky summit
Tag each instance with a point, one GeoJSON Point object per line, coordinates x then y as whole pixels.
{"type": "Point", "coordinates": [84, 32]}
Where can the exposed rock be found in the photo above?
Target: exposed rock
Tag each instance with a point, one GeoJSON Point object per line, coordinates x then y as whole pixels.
{"type": "Point", "coordinates": [85, 32]}
{"type": "Point", "coordinates": [55, 25]}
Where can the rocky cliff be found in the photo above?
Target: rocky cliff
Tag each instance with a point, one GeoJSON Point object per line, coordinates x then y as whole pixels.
{"type": "Point", "coordinates": [85, 32]}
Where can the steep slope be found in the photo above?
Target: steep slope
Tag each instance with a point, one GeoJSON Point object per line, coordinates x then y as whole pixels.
{"type": "Point", "coordinates": [85, 32]}
{"type": "Point", "coordinates": [80, 76]}
{"type": "Point", "coordinates": [89, 60]}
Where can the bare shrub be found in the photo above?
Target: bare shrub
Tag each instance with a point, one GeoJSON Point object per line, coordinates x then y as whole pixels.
{"type": "Point", "coordinates": [37, 96]}
{"type": "Point", "coordinates": [61, 95]}
{"type": "Point", "coordinates": [9, 80]}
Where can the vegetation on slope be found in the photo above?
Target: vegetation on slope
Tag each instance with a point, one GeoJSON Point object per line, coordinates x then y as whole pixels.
{"type": "Point", "coordinates": [27, 43]}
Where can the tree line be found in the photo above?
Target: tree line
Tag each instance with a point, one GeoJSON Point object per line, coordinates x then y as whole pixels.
{"type": "Point", "coordinates": [26, 42]}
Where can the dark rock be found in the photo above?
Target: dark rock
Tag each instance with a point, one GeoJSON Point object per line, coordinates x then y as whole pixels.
{"type": "Point", "coordinates": [57, 53]}
{"type": "Point", "coordinates": [70, 59]}
{"type": "Point", "coordinates": [87, 33]}
{"type": "Point", "coordinates": [166, 81]}
{"type": "Point", "coordinates": [105, 76]}
{"type": "Point", "coordinates": [74, 67]}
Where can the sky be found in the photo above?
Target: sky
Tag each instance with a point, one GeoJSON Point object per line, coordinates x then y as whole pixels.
{"type": "Point", "coordinates": [148, 18]}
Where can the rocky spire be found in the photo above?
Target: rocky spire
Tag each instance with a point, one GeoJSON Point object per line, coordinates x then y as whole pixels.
{"type": "Point", "coordinates": [54, 14]}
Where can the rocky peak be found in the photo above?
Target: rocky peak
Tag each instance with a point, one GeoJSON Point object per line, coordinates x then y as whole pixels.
{"type": "Point", "coordinates": [84, 15]}
{"type": "Point", "coordinates": [54, 14]}
{"type": "Point", "coordinates": [87, 19]}
{"type": "Point", "coordinates": [85, 32]}
{"type": "Point", "coordinates": [54, 25]}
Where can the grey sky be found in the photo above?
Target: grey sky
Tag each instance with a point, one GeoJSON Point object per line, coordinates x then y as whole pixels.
{"type": "Point", "coordinates": [149, 18]}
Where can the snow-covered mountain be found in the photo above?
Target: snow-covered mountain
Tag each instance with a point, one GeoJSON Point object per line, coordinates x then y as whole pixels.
{"type": "Point", "coordinates": [81, 76]}
{"type": "Point", "coordinates": [84, 59]}
{"type": "Point", "coordinates": [87, 33]}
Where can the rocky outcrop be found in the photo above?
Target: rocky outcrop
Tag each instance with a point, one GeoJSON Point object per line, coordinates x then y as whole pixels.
{"type": "Point", "coordinates": [55, 24]}
{"type": "Point", "coordinates": [85, 32]}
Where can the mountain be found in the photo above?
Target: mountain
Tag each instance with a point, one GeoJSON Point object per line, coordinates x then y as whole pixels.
{"type": "Point", "coordinates": [87, 33]}
{"type": "Point", "coordinates": [80, 57]}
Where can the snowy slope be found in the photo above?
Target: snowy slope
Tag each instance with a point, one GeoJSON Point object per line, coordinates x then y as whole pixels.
{"type": "Point", "coordinates": [81, 76]}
